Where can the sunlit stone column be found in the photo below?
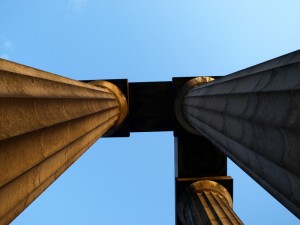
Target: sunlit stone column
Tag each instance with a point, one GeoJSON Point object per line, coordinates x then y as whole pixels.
{"type": "Point", "coordinates": [253, 116]}
{"type": "Point", "coordinates": [46, 123]}
{"type": "Point", "coordinates": [205, 203]}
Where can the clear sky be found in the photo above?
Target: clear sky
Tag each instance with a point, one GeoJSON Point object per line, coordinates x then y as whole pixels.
{"type": "Point", "coordinates": [130, 181]}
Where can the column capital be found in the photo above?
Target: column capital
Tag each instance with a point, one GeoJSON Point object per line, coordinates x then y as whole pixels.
{"type": "Point", "coordinates": [120, 97]}
{"type": "Point", "coordinates": [209, 185]}
{"type": "Point", "coordinates": [206, 202]}
{"type": "Point", "coordinates": [180, 99]}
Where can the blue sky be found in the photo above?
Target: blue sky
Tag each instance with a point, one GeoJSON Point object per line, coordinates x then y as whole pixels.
{"type": "Point", "coordinates": [130, 181]}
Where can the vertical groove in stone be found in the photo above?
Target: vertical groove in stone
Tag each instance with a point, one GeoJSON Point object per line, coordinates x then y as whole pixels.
{"type": "Point", "coordinates": [46, 123]}
{"type": "Point", "coordinates": [253, 116]}
{"type": "Point", "coordinates": [25, 114]}
{"type": "Point", "coordinates": [24, 151]}
{"type": "Point", "coordinates": [222, 205]}
{"type": "Point", "coordinates": [209, 208]}
{"type": "Point", "coordinates": [202, 204]}
{"type": "Point", "coordinates": [195, 216]}
{"type": "Point", "coordinates": [214, 207]}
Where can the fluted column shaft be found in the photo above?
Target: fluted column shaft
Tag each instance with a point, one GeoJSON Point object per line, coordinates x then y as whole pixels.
{"type": "Point", "coordinates": [253, 116]}
{"type": "Point", "coordinates": [46, 123]}
{"type": "Point", "coordinates": [205, 203]}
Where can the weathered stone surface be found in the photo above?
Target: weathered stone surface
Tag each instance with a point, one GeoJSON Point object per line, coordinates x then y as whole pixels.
{"type": "Point", "coordinates": [253, 116]}
{"type": "Point", "coordinates": [46, 123]}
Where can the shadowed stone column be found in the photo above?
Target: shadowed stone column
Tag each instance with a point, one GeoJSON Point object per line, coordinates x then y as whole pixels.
{"type": "Point", "coordinates": [204, 203]}
{"type": "Point", "coordinates": [46, 123]}
{"type": "Point", "coordinates": [253, 116]}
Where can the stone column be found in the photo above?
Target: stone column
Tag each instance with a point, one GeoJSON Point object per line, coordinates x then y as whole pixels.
{"type": "Point", "coordinates": [253, 116]}
{"type": "Point", "coordinates": [206, 202]}
{"type": "Point", "coordinates": [46, 123]}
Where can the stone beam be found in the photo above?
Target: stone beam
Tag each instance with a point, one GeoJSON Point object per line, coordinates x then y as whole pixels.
{"type": "Point", "coordinates": [253, 116]}
{"type": "Point", "coordinates": [46, 123]}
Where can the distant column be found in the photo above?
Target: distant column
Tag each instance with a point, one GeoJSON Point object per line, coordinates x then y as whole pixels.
{"type": "Point", "coordinates": [204, 203]}
{"type": "Point", "coordinates": [46, 123]}
{"type": "Point", "coordinates": [253, 116]}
